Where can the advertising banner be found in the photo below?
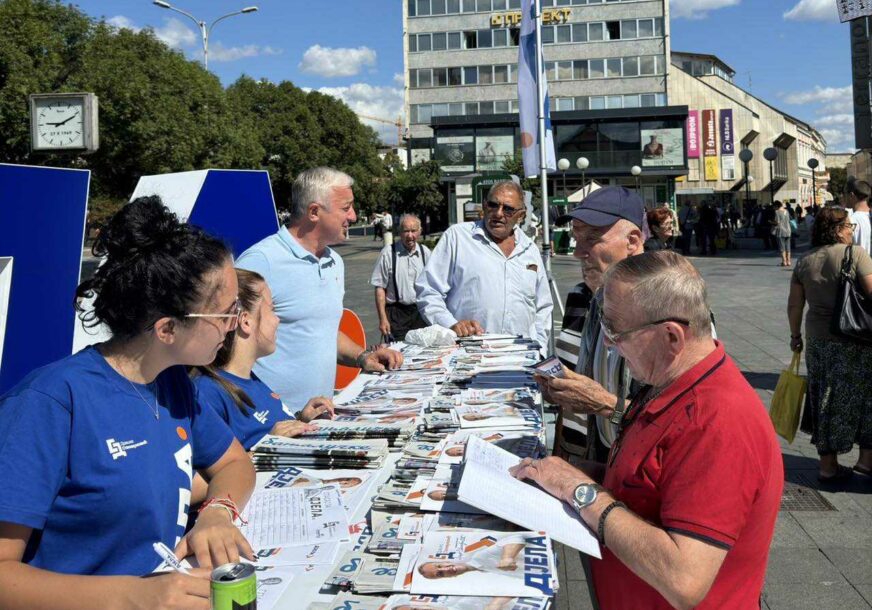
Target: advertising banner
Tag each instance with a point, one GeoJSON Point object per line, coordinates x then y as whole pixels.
{"type": "Point", "coordinates": [492, 151]}
{"type": "Point", "coordinates": [662, 147]}
{"type": "Point", "coordinates": [711, 168]}
{"type": "Point", "coordinates": [693, 134]}
{"type": "Point", "coordinates": [727, 145]}
{"type": "Point", "coordinates": [728, 167]}
{"type": "Point", "coordinates": [853, 9]}
{"type": "Point", "coordinates": [709, 137]}
{"type": "Point", "coordinates": [456, 153]}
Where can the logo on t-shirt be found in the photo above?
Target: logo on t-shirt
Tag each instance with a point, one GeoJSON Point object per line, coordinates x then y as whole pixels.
{"type": "Point", "coordinates": [261, 416]}
{"type": "Point", "coordinates": [119, 449]}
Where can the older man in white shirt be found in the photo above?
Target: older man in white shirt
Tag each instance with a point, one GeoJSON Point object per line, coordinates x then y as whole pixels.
{"type": "Point", "coordinates": [487, 276]}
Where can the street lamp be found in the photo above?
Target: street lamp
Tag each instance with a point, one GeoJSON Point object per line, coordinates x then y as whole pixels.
{"type": "Point", "coordinates": [813, 165]}
{"type": "Point", "coordinates": [582, 163]}
{"type": "Point", "coordinates": [563, 165]}
{"type": "Point", "coordinates": [205, 32]}
{"type": "Point", "coordinates": [770, 154]}
{"type": "Point", "coordinates": [745, 156]}
{"type": "Point", "coordinates": [636, 171]}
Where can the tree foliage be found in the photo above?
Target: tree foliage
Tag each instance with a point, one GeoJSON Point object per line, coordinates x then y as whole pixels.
{"type": "Point", "coordinates": [416, 189]}
{"type": "Point", "coordinates": [160, 112]}
{"type": "Point", "coordinates": [838, 180]}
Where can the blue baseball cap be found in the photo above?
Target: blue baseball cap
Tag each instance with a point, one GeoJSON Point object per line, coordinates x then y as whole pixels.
{"type": "Point", "coordinates": [607, 206]}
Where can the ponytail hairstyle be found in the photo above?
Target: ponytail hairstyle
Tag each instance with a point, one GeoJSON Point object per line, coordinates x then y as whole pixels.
{"type": "Point", "coordinates": [251, 285]}
{"type": "Point", "coordinates": [155, 266]}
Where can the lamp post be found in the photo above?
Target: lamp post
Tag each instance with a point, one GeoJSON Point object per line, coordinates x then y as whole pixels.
{"type": "Point", "coordinates": [813, 165]}
{"type": "Point", "coordinates": [205, 32]}
{"type": "Point", "coordinates": [745, 156]}
{"type": "Point", "coordinates": [582, 163]}
{"type": "Point", "coordinates": [770, 154]}
{"type": "Point", "coordinates": [636, 171]}
{"type": "Point", "coordinates": [563, 165]}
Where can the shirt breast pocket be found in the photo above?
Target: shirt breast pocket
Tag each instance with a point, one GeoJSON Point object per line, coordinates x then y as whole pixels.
{"type": "Point", "coordinates": [527, 280]}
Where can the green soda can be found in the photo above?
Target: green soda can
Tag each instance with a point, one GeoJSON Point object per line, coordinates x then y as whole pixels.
{"type": "Point", "coordinates": [234, 587]}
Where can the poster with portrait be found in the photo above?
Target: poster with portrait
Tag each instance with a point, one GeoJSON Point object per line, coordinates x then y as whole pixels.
{"type": "Point", "coordinates": [663, 147]}
{"type": "Point", "coordinates": [492, 151]}
{"type": "Point", "coordinates": [456, 153]}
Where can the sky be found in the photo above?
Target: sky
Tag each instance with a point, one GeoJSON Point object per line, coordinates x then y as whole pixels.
{"type": "Point", "coordinates": [793, 54]}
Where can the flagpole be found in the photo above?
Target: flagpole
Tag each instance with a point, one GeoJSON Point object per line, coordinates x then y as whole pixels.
{"type": "Point", "coordinates": [543, 169]}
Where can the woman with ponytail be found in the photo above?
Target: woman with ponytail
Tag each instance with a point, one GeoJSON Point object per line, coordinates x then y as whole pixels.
{"type": "Point", "coordinates": [98, 450]}
{"type": "Point", "coordinates": [229, 386]}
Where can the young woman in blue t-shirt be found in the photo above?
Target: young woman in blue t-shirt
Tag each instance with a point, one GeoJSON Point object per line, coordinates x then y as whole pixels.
{"type": "Point", "coordinates": [98, 450]}
{"type": "Point", "coordinates": [229, 386]}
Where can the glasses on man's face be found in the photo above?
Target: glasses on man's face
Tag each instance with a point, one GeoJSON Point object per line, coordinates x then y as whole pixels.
{"type": "Point", "coordinates": [493, 206]}
{"type": "Point", "coordinates": [616, 336]}
{"type": "Point", "coordinates": [231, 317]}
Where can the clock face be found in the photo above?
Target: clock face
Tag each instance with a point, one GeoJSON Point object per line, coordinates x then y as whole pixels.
{"type": "Point", "coordinates": [60, 123]}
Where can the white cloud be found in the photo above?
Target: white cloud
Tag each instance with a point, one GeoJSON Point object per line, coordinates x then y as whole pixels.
{"type": "Point", "coordinates": [839, 140]}
{"type": "Point", "coordinates": [330, 63]}
{"type": "Point", "coordinates": [218, 52]}
{"type": "Point", "coordinates": [834, 100]}
{"type": "Point", "coordinates": [813, 10]}
{"type": "Point", "coordinates": [697, 9]}
{"type": "Point", "coordinates": [836, 119]}
{"type": "Point", "coordinates": [400, 79]}
{"type": "Point", "coordinates": [382, 102]}
{"type": "Point", "coordinates": [122, 22]}
{"type": "Point", "coordinates": [175, 34]}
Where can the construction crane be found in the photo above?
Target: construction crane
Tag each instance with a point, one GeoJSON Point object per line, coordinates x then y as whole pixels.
{"type": "Point", "coordinates": [398, 123]}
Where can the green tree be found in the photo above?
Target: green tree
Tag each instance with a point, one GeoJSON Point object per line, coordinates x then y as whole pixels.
{"type": "Point", "coordinates": [515, 167]}
{"type": "Point", "coordinates": [838, 180]}
{"type": "Point", "coordinates": [416, 189]}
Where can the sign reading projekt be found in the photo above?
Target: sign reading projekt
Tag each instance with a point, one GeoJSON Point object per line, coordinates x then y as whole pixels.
{"type": "Point", "coordinates": [853, 9]}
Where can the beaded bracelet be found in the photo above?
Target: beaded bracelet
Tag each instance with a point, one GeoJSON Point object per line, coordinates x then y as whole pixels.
{"type": "Point", "coordinates": [227, 504]}
{"type": "Point", "coordinates": [601, 526]}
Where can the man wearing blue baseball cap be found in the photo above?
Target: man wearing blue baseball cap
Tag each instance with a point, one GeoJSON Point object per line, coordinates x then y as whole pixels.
{"type": "Point", "coordinates": [608, 227]}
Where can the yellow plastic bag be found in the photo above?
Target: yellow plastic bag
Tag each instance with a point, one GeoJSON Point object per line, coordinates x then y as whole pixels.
{"type": "Point", "coordinates": [788, 399]}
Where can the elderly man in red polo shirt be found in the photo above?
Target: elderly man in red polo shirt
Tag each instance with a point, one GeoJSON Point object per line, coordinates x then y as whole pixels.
{"type": "Point", "coordinates": [692, 487]}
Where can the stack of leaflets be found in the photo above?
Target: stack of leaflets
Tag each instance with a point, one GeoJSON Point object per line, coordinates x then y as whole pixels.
{"type": "Point", "coordinates": [439, 492]}
{"type": "Point", "coordinates": [350, 601]}
{"type": "Point", "coordinates": [518, 442]}
{"type": "Point", "coordinates": [392, 495]}
{"type": "Point", "coordinates": [479, 562]}
{"type": "Point", "coordinates": [457, 602]}
{"type": "Point", "coordinates": [364, 573]}
{"type": "Point", "coordinates": [381, 402]}
{"type": "Point", "coordinates": [499, 416]}
{"type": "Point", "coordinates": [276, 452]}
{"type": "Point", "coordinates": [353, 485]}
{"type": "Point", "coordinates": [396, 434]}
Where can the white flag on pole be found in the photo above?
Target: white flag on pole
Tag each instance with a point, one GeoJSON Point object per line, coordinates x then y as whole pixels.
{"type": "Point", "coordinates": [531, 71]}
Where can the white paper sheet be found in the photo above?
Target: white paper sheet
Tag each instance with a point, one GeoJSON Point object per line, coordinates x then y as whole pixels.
{"type": "Point", "coordinates": [290, 516]}
{"type": "Point", "coordinates": [487, 485]}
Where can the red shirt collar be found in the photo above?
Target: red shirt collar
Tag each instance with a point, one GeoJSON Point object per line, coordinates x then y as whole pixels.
{"type": "Point", "coordinates": [689, 379]}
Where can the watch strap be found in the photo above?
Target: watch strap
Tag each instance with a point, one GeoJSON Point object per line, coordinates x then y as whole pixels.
{"type": "Point", "coordinates": [596, 486]}
{"type": "Point", "coordinates": [601, 526]}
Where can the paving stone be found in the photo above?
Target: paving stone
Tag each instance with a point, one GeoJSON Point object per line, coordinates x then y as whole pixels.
{"type": "Point", "coordinates": [789, 534]}
{"type": "Point", "coordinates": [866, 592]}
{"type": "Point", "coordinates": [835, 530]}
{"type": "Point", "coordinates": [854, 564]}
{"type": "Point", "coordinates": [797, 565]}
{"type": "Point", "coordinates": [793, 596]}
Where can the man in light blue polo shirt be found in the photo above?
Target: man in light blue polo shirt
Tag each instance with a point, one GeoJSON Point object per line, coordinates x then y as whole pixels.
{"type": "Point", "coordinates": [487, 276]}
{"type": "Point", "coordinates": [307, 280]}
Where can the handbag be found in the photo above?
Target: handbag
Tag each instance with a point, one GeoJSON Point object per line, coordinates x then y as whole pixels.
{"type": "Point", "coordinates": [787, 400]}
{"type": "Point", "coordinates": [852, 317]}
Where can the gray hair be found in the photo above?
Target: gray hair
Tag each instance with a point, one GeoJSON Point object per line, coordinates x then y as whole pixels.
{"type": "Point", "coordinates": [314, 186]}
{"type": "Point", "coordinates": [507, 185]}
{"type": "Point", "coordinates": [664, 284]}
{"type": "Point", "coordinates": [409, 216]}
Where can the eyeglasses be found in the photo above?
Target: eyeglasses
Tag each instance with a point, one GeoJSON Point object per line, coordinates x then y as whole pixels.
{"type": "Point", "coordinates": [232, 315]}
{"type": "Point", "coordinates": [508, 210]}
{"type": "Point", "coordinates": [615, 337]}
{"type": "Point", "coordinates": [851, 225]}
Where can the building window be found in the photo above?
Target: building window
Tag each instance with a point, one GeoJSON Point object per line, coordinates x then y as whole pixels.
{"type": "Point", "coordinates": [564, 33]}
{"type": "Point", "coordinates": [596, 68]}
{"type": "Point", "coordinates": [486, 108]}
{"type": "Point", "coordinates": [501, 107]}
{"type": "Point", "coordinates": [453, 7]}
{"type": "Point", "coordinates": [425, 77]}
{"type": "Point", "coordinates": [455, 77]}
{"type": "Point", "coordinates": [548, 35]}
{"type": "Point", "coordinates": [579, 32]}
{"type": "Point", "coordinates": [485, 39]}
{"type": "Point", "coordinates": [514, 4]}
{"type": "Point", "coordinates": [483, 6]}
{"type": "Point", "coordinates": [413, 79]}
{"type": "Point", "coordinates": [647, 66]}
{"type": "Point", "coordinates": [485, 75]}
{"type": "Point", "coordinates": [424, 42]}
{"type": "Point", "coordinates": [471, 108]}
{"type": "Point", "coordinates": [646, 28]}
{"type": "Point", "coordinates": [468, 6]}
{"type": "Point", "coordinates": [615, 101]}
{"type": "Point", "coordinates": [579, 71]}
{"type": "Point", "coordinates": [613, 28]}
{"type": "Point", "coordinates": [631, 101]}
{"type": "Point", "coordinates": [423, 8]}
{"type": "Point", "coordinates": [440, 77]}
{"type": "Point", "coordinates": [515, 36]}
{"type": "Point", "coordinates": [631, 66]}
{"type": "Point", "coordinates": [437, 7]}
{"type": "Point", "coordinates": [564, 70]}
{"type": "Point", "coordinates": [425, 113]}
{"type": "Point", "coordinates": [597, 102]}
{"type": "Point", "coordinates": [454, 40]}
{"type": "Point", "coordinates": [613, 68]}
{"type": "Point", "coordinates": [565, 103]}
{"type": "Point", "coordinates": [471, 39]}
{"type": "Point", "coordinates": [658, 27]}
{"type": "Point", "coordinates": [501, 74]}
{"type": "Point", "coordinates": [595, 31]}
{"type": "Point", "coordinates": [439, 41]}
{"type": "Point", "coordinates": [470, 75]}
{"type": "Point", "coordinates": [628, 29]}
{"type": "Point", "coordinates": [648, 100]}
{"type": "Point", "coordinates": [499, 5]}
{"type": "Point", "coordinates": [413, 44]}
{"type": "Point", "coordinates": [411, 8]}
{"type": "Point", "coordinates": [550, 70]}
{"type": "Point", "coordinates": [501, 38]}
{"type": "Point", "coordinates": [455, 109]}
{"type": "Point", "coordinates": [581, 102]}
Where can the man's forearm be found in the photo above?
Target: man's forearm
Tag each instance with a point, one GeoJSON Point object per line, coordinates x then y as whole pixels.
{"type": "Point", "coordinates": [347, 350]}
{"type": "Point", "coordinates": [380, 302]}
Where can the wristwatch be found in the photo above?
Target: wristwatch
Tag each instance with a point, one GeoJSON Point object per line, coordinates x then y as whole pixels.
{"type": "Point", "coordinates": [585, 495]}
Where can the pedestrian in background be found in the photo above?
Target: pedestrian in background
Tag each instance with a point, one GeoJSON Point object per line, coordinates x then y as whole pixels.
{"type": "Point", "coordinates": [660, 222]}
{"type": "Point", "coordinates": [782, 231]}
{"type": "Point", "coordinates": [839, 385]}
{"type": "Point", "coordinates": [857, 198]}
{"type": "Point", "coordinates": [387, 223]}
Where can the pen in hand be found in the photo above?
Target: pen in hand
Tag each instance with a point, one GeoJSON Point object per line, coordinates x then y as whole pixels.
{"type": "Point", "coordinates": [169, 557]}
